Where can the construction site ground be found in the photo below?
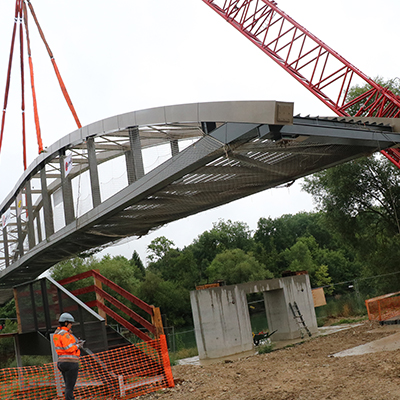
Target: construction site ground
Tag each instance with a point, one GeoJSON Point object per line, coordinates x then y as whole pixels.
{"type": "Point", "coordinates": [310, 370]}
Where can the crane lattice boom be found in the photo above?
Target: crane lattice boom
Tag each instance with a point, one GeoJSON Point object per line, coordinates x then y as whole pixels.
{"type": "Point", "coordinates": [309, 60]}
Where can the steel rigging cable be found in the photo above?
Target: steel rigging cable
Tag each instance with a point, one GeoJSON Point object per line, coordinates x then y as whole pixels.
{"type": "Point", "coordinates": [21, 14]}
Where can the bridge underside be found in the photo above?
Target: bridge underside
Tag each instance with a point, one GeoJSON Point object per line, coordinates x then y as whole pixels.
{"type": "Point", "coordinates": [231, 159]}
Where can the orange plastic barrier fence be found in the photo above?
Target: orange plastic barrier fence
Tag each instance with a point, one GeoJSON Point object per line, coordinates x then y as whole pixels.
{"type": "Point", "coordinates": [122, 373]}
{"type": "Point", "coordinates": [383, 308]}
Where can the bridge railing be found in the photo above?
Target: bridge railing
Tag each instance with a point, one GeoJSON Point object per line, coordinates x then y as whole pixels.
{"type": "Point", "coordinates": [40, 303]}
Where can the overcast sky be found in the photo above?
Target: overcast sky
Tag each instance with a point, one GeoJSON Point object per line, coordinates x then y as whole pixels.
{"type": "Point", "coordinates": [127, 55]}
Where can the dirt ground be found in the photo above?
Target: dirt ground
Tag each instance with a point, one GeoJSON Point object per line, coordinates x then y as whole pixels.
{"type": "Point", "coordinates": [304, 371]}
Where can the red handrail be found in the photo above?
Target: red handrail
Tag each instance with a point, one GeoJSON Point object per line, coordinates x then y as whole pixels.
{"type": "Point", "coordinates": [122, 307]}
{"type": "Point", "coordinates": [151, 310]}
{"type": "Point", "coordinates": [129, 296]}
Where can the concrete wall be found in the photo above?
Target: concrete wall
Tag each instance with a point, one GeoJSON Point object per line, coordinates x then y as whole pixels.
{"type": "Point", "coordinates": [277, 316]}
{"type": "Point", "coordinates": [222, 321]}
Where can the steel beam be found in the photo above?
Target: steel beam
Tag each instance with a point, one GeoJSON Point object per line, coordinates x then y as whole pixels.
{"type": "Point", "coordinates": [94, 174]}
{"type": "Point", "coordinates": [19, 228]}
{"type": "Point", "coordinates": [136, 147]}
{"type": "Point", "coordinates": [47, 207]}
{"type": "Point", "coordinates": [31, 232]}
{"type": "Point", "coordinates": [5, 246]}
{"type": "Point", "coordinates": [174, 147]}
{"type": "Point", "coordinates": [39, 227]}
{"type": "Point", "coordinates": [66, 187]}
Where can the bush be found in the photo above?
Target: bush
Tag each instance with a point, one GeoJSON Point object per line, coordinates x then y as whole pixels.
{"type": "Point", "coordinates": [7, 353]}
{"type": "Point", "coordinates": [28, 361]}
{"type": "Point", "coordinates": [340, 306]}
{"type": "Point", "coordinates": [265, 348]}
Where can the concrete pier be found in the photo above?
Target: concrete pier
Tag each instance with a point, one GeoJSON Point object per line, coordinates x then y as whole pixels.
{"type": "Point", "coordinates": [222, 320]}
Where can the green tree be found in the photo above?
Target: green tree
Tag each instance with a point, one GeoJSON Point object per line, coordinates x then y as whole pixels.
{"type": "Point", "coordinates": [272, 259]}
{"type": "Point", "coordinates": [74, 266]}
{"type": "Point", "coordinates": [274, 236]}
{"type": "Point", "coordinates": [236, 266]}
{"type": "Point", "coordinates": [8, 310]}
{"type": "Point", "coordinates": [120, 271]}
{"type": "Point", "coordinates": [173, 300]}
{"type": "Point", "coordinates": [341, 264]}
{"type": "Point", "coordinates": [361, 203]}
{"type": "Point", "coordinates": [136, 260]}
{"type": "Point", "coordinates": [6, 344]}
{"type": "Point", "coordinates": [303, 255]}
{"type": "Point", "coordinates": [322, 278]}
{"type": "Point", "coordinates": [158, 247]}
{"type": "Point", "coordinates": [299, 257]}
{"type": "Point", "coordinates": [225, 235]}
{"type": "Point", "coordinates": [184, 269]}
{"type": "Point", "coordinates": [367, 188]}
{"type": "Point", "coordinates": [177, 266]}
{"type": "Point", "coordinates": [67, 268]}
{"type": "Point", "coordinates": [283, 232]}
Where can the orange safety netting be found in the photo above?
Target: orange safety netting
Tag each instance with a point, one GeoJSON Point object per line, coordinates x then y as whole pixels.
{"type": "Point", "coordinates": [122, 373]}
{"type": "Point", "coordinates": [383, 308]}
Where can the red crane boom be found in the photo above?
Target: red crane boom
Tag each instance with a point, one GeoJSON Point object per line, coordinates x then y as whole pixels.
{"type": "Point", "coordinates": [309, 60]}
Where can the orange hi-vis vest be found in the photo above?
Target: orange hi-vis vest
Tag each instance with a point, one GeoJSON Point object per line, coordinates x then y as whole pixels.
{"type": "Point", "coordinates": [66, 345]}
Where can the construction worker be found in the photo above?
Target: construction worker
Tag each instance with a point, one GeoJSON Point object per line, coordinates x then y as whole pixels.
{"type": "Point", "coordinates": [67, 347]}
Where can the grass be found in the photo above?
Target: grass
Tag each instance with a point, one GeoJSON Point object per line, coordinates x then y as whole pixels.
{"type": "Point", "coordinates": [183, 353]}
{"type": "Point", "coordinates": [28, 361]}
{"type": "Point", "coordinates": [265, 348]}
{"type": "Point", "coordinates": [348, 321]}
{"type": "Point", "coordinates": [294, 344]}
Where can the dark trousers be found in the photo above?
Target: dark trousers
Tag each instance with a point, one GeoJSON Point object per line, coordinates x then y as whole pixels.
{"type": "Point", "coordinates": [69, 371]}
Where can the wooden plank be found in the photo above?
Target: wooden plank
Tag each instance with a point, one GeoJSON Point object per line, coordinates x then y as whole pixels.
{"type": "Point", "coordinates": [99, 297]}
{"type": "Point", "coordinates": [318, 297]}
{"type": "Point", "coordinates": [157, 322]}
{"type": "Point", "coordinates": [18, 313]}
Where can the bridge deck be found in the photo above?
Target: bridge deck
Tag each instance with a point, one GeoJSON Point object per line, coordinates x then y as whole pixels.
{"type": "Point", "coordinates": [237, 149]}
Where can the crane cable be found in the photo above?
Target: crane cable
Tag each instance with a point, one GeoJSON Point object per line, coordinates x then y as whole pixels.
{"type": "Point", "coordinates": [17, 7]}
{"type": "Point", "coordinates": [21, 16]}
{"type": "Point", "coordinates": [35, 108]}
{"type": "Point", "coordinates": [53, 61]}
{"type": "Point", "coordinates": [21, 44]}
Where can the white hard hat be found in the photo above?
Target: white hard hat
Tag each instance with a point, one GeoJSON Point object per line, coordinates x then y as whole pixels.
{"type": "Point", "coordinates": [66, 317]}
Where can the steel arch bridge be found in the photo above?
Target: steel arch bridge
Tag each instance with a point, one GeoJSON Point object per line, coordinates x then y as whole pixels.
{"type": "Point", "coordinates": [219, 152]}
